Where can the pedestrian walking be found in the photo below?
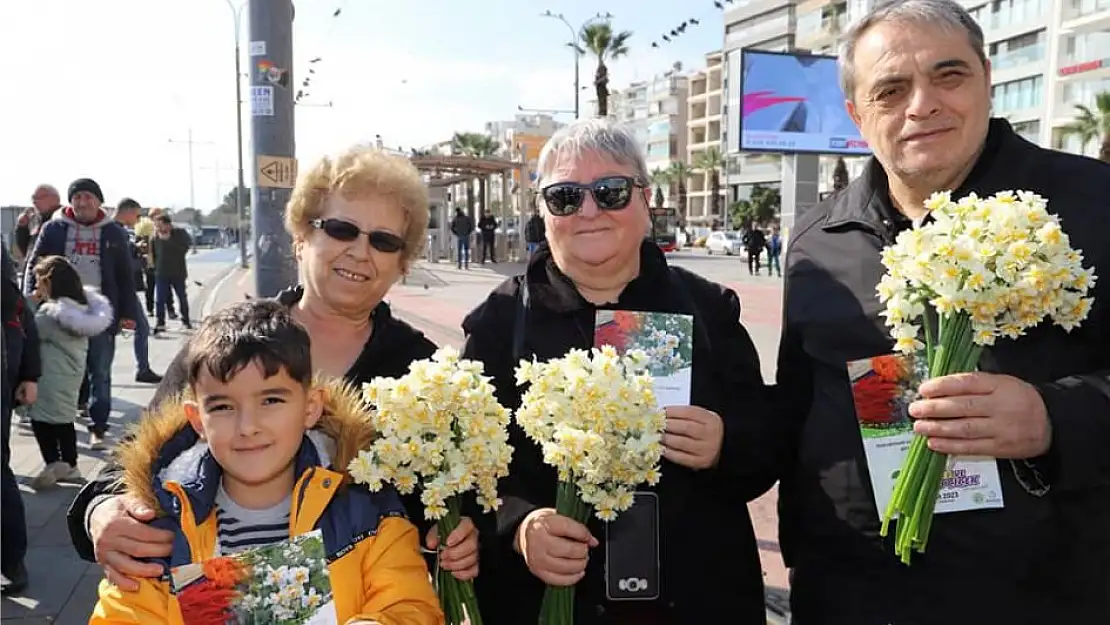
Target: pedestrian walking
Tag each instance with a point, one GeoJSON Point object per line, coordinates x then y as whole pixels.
{"type": "Point", "coordinates": [534, 232]}
{"type": "Point", "coordinates": [462, 226]}
{"type": "Point", "coordinates": [144, 235]}
{"type": "Point", "coordinates": [774, 251]}
{"type": "Point", "coordinates": [98, 248]}
{"type": "Point", "coordinates": [487, 225]}
{"type": "Point", "coordinates": [754, 242]}
{"type": "Point", "coordinates": [127, 215]}
{"type": "Point", "coordinates": [67, 314]}
{"type": "Point", "coordinates": [45, 201]}
{"type": "Point", "coordinates": [20, 368]}
{"type": "Point", "coordinates": [170, 248]}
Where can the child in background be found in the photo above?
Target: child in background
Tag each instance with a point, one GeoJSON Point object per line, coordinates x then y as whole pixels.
{"type": "Point", "coordinates": [67, 315]}
{"type": "Point", "coordinates": [256, 454]}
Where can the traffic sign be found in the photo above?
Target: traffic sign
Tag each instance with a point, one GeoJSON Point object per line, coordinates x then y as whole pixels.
{"type": "Point", "coordinates": [277, 172]}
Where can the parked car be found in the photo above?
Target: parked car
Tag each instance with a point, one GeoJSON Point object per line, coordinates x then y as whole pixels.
{"type": "Point", "coordinates": [727, 243]}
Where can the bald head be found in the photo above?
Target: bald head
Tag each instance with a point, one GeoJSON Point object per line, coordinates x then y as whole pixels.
{"type": "Point", "coordinates": [46, 198]}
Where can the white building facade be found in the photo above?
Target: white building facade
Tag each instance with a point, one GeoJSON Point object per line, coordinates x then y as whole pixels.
{"type": "Point", "coordinates": [655, 111]}
{"type": "Point", "coordinates": [704, 116]}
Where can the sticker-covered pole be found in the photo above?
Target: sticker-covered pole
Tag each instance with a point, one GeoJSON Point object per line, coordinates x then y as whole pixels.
{"type": "Point", "coordinates": [274, 164]}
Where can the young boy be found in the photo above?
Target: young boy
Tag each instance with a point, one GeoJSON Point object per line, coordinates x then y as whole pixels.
{"type": "Point", "coordinates": [258, 454]}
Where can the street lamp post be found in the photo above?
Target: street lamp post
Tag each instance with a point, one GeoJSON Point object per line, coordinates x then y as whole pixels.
{"type": "Point", "coordinates": [192, 183]}
{"type": "Point", "coordinates": [237, 13]}
{"type": "Point", "coordinates": [575, 37]}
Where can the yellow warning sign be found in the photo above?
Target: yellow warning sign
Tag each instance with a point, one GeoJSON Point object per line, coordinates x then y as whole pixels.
{"type": "Point", "coordinates": [276, 172]}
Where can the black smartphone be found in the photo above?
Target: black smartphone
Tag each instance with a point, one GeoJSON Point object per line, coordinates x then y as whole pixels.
{"type": "Point", "coordinates": [632, 551]}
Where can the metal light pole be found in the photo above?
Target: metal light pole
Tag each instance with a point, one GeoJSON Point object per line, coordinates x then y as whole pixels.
{"type": "Point", "coordinates": [192, 185]}
{"type": "Point", "coordinates": [575, 38]}
{"type": "Point", "coordinates": [237, 13]}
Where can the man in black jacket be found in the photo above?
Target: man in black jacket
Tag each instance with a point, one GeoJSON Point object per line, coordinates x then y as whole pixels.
{"type": "Point", "coordinates": [487, 225]}
{"type": "Point", "coordinates": [170, 247]}
{"type": "Point", "coordinates": [918, 86]}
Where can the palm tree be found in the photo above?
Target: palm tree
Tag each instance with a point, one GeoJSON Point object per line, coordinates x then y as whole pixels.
{"type": "Point", "coordinates": [680, 172]}
{"type": "Point", "coordinates": [712, 161]}
{"type": "Point", "coordinates": [606, 46]}
{"type": "Point", "coordinates": [1093, 124]}
{"type": "Point", "coordinates": [476, 145]}
{"type": "Point", "coordinates": [660, 177]}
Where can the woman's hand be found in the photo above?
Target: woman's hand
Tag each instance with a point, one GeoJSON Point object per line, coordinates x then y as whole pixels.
{"type": "Point", "coordinates": [555, 548]}
{"type": "Point", "coordinates": [460, 556]}
{"type": "Point", "coordinates": [119, 532]}
{"type": "Point", "coordinates": [693, 436]}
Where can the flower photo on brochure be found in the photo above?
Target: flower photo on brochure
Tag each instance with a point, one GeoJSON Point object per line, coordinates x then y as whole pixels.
{"type": "Point", "coordinates": [282, 584]}
{"type": "Point", "coordinates": [980, 271]}
{"type": "Point", "coordinates": [665, 338]}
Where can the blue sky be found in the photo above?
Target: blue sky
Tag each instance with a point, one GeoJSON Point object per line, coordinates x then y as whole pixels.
{"type": "Point", "coordinates": [100, 88]}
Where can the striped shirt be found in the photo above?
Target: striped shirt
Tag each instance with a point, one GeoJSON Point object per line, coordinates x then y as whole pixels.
{"type": "Point", "coordinates": [240, 528]}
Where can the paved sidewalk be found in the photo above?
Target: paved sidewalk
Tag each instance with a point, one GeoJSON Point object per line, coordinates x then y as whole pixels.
{"type": "Point", "coordinates": [63, 587]}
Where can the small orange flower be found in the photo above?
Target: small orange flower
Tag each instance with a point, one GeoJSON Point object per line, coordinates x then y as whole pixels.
{"type": "Point", "coordinates": [627, 321]}
{"type": "Point", "coordinates": [224, 572]}
{"type": "Point", "coordinates": [891, 368]}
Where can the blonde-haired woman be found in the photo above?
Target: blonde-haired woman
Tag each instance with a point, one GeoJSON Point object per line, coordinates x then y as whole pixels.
{"type": "Point", "coordinates": [357, 221]}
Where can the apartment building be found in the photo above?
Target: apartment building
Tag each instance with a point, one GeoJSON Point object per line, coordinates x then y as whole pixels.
{"type": "Point", "coordinates": [764, 25]}
{"type": "Point", "coordinates": [704, 110]}
{"type": "Point", "coordinates": [655, 110]}
{"type": "Point", "coordinates": [1046, 56]}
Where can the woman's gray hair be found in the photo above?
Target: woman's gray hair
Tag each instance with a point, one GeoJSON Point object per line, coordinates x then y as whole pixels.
{"type": "Point", "coordinates": [599, 136]}
{"type": "Point", "coordinates": [948, 15]}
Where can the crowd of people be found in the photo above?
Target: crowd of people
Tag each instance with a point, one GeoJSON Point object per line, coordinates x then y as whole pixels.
{"type": "Point", "coordinates": [73, 285]}
{"type": "Point", "coordinates": [918, 86]}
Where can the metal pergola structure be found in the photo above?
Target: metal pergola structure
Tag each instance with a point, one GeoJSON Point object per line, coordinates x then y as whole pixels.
{"type": "Point", "coordinates": [444, 170]}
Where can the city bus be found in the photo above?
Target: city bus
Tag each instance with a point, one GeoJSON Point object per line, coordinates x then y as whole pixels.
{"type": "Point", "coordinates": [664, 228]}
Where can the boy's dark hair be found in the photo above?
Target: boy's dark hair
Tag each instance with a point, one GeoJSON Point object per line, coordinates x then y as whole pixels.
{"type": "Point", "coordinates": [63, 277]}
{"type": "Point", "coordinates": [258, 331]}
{"type": "Point", "coordinates": [127, 204]}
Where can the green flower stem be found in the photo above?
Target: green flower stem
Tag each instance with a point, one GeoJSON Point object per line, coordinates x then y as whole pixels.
{"type": "Point", "coordinates": [455, 595]}
{"type": "Point", "coordinates": [951, 349]}
{"type": "Point", "coordinates": [558, 601]}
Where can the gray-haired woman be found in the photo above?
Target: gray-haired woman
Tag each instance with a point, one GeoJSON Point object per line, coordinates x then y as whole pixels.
{"type": "Point", "coordinates": [719, 451]}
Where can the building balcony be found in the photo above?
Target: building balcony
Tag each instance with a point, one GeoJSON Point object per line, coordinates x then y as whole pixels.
{"type": "Point", "coordinates": [1086, 15]}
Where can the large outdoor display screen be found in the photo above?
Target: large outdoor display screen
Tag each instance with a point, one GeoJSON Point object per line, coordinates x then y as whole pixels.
{"type": "Point", "coordinates": [793, 103]}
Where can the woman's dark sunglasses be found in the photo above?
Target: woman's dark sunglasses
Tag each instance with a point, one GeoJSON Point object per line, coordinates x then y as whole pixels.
{"type": "Point", "coordinates": [346, 231]}
{"type": "Point", "coordinates": [611, 193]}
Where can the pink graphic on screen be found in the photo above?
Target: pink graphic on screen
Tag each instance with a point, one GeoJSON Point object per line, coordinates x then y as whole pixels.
{"type": "Point", "coordinates": [758, 100]}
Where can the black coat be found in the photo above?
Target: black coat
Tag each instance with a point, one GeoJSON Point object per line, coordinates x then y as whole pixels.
{"type": "Point", "coordinates": [710, 564]}
{"type": "Point", "coordinates": [1043, 558]}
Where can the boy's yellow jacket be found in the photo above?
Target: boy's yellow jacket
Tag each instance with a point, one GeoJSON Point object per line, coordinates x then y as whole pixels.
{"type": "Point", "coordinates": [377, 572]}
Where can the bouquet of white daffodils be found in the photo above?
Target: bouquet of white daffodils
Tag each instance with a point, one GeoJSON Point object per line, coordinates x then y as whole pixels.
{"type": "Point", "coordinates": [438, 427]}
{"type": "Point", "coordinates": [595, 417]}
{"type": "Point", "coordinates": [983, 269]}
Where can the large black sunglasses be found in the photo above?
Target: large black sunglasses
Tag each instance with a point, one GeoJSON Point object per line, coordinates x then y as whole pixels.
{"type": "Point", "coordinates": [611, 193]}
{"type": "Point", "coordinates": [346, 231]}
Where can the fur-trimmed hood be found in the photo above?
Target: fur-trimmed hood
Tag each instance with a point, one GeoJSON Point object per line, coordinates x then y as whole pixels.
{"type": "Point", "coordinates": [165, 448]}
{"type": "Point", "coordinates": [78, 319]}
